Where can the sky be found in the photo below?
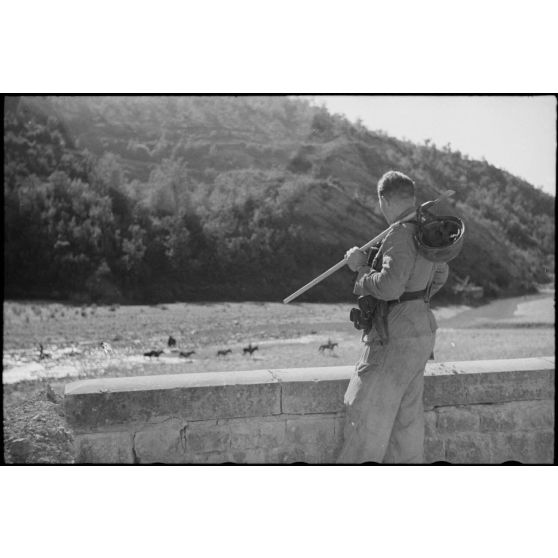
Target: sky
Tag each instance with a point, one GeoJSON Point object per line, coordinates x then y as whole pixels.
{"type": "Point", "coordinates": [514, 133]}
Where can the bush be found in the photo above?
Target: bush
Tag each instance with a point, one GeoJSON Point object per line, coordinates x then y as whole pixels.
{"type": "Point", "coordinates": [101, 286]}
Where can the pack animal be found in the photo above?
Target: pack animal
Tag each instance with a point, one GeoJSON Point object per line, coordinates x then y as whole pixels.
{"type": "Point", "coordinates": [186, 354]}
{"type": "Point", "coordinates": [224, 352]}
{"type": "Point", "coordinates": [250, 349]}
{"type": "Point", "coordinates": [153, 353]}
{"type": "Point", "coordinates": [329, 345]}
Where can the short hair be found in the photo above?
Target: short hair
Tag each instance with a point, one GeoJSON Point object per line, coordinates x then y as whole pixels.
{"type": "Point", "coordinates": [395, 184]}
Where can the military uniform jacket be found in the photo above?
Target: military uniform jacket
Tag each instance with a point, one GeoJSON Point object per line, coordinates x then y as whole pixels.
{"type": "Point", "coordinates": [403, 270]}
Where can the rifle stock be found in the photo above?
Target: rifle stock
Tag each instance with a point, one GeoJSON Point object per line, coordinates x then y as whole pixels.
{"type": "Point", "coordinates": [405, 216]}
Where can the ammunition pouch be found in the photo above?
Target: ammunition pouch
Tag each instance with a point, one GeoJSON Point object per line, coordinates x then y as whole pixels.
{"type": "Point", "coordinates": [363, 316]}
{"type": "Point", "coordinates": [372, 312]}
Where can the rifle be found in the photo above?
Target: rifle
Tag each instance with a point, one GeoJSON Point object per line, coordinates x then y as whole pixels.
{"type": "Point", "coordinates": [405, 216]}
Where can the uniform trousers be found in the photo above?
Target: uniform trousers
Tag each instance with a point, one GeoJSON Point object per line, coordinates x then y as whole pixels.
{"type": "Point", "coordinates": [384, 410]}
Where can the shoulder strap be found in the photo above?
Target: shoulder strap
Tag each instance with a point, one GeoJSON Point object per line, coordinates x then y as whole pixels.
{"type": "Point", "coordinates": [428, 290]}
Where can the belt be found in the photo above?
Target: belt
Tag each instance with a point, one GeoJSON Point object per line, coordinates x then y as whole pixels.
{"type": "Point", "coordinates": [409, 295]}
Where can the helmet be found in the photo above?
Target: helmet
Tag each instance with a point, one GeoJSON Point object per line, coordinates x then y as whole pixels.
{"type": "Point", "coordinates": [438, 239]}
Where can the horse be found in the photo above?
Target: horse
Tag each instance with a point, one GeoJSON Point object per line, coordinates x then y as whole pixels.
{"type": "Point", "coordinates": [329, 345]}
{"type": "Point", "coordinates": [250, 349]}
{"type": "Point", "coordinates": [153, 353]}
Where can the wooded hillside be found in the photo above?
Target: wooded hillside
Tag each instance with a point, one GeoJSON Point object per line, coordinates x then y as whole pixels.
{"type": "Point", "coordinates": [157, 199]}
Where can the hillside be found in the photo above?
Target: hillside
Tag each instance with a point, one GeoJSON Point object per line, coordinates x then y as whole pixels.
{"type": "Point", "coordinates": [203, 198]}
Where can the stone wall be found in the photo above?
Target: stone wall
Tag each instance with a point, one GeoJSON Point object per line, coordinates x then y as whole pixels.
{"type": "Point", "coordinates": [476, 412]}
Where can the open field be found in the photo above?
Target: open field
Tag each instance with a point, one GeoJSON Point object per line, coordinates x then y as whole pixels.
{"type": "Point", "coordinates": [286, 336]}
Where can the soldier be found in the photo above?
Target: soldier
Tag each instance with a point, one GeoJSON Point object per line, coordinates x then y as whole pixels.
{"type": "Point", "coordinates": [385, 417]}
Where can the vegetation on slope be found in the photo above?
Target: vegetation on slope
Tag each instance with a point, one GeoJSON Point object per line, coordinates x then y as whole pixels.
{"type": "Point", "coordinates": [156, 199]}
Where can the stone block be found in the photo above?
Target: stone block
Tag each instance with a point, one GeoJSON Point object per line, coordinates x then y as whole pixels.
{"type": "Point", "coordinates": [543, 447]}
{"type": "Point", "coordinates": [105, 447]}
{"type": "Point", "coordinates": [456, 419]}
{"type": "Point", "coordinates": [434, 450]}
{"type": "Point", "coordinates": [250, 456]}
{"type": "Point", "coordinates": [443, 391]}
{"type": "Point", "coordinates": [516, 416]}
{"type": "Point", "coordinates": [163, 442]}
{"type": "Point", "coordinates": [296, 454]}
{"type": "Point", "coordinates": [511, 446]}
{"type": "Point", "coordinates": [208, 458]}
{"type": "Point", "coordinates": [207, 436]}
{"type": "Point", "coordinates": [260, 433]}
{"type": "Point", "coordinates": [315, 374]}
{"type": "Point", "coordinates": [497, 418]}
{"type": "Point", "coordinates": [468, 448]}
{"type": "Point", "coordinates": [165, 382]}
{"type": "Point", "coordinates": [517, 384]}
{"type": "Point", "coordinates": [313, 390]}
{"type": "Point", "coordinates": [87, 411]}
{"type": "Point", "coordinates": [315, 435]}
{"type": "Point", "coordinates": [313, 397]}
{"type": "Point", "coordinates": [488, 367]}
{"type": "Point", "coordinates": [430, 424]}
{"type": "Point", "coordinates": [535, 415]}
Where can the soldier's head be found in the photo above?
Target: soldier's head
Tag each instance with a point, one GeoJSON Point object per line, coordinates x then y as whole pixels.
{"type": "Point", "coordinates": [396, 193]}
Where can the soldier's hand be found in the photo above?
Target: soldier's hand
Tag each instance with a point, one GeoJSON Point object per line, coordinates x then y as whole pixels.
{"type": "Point", "coordinates": [355, 258]}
